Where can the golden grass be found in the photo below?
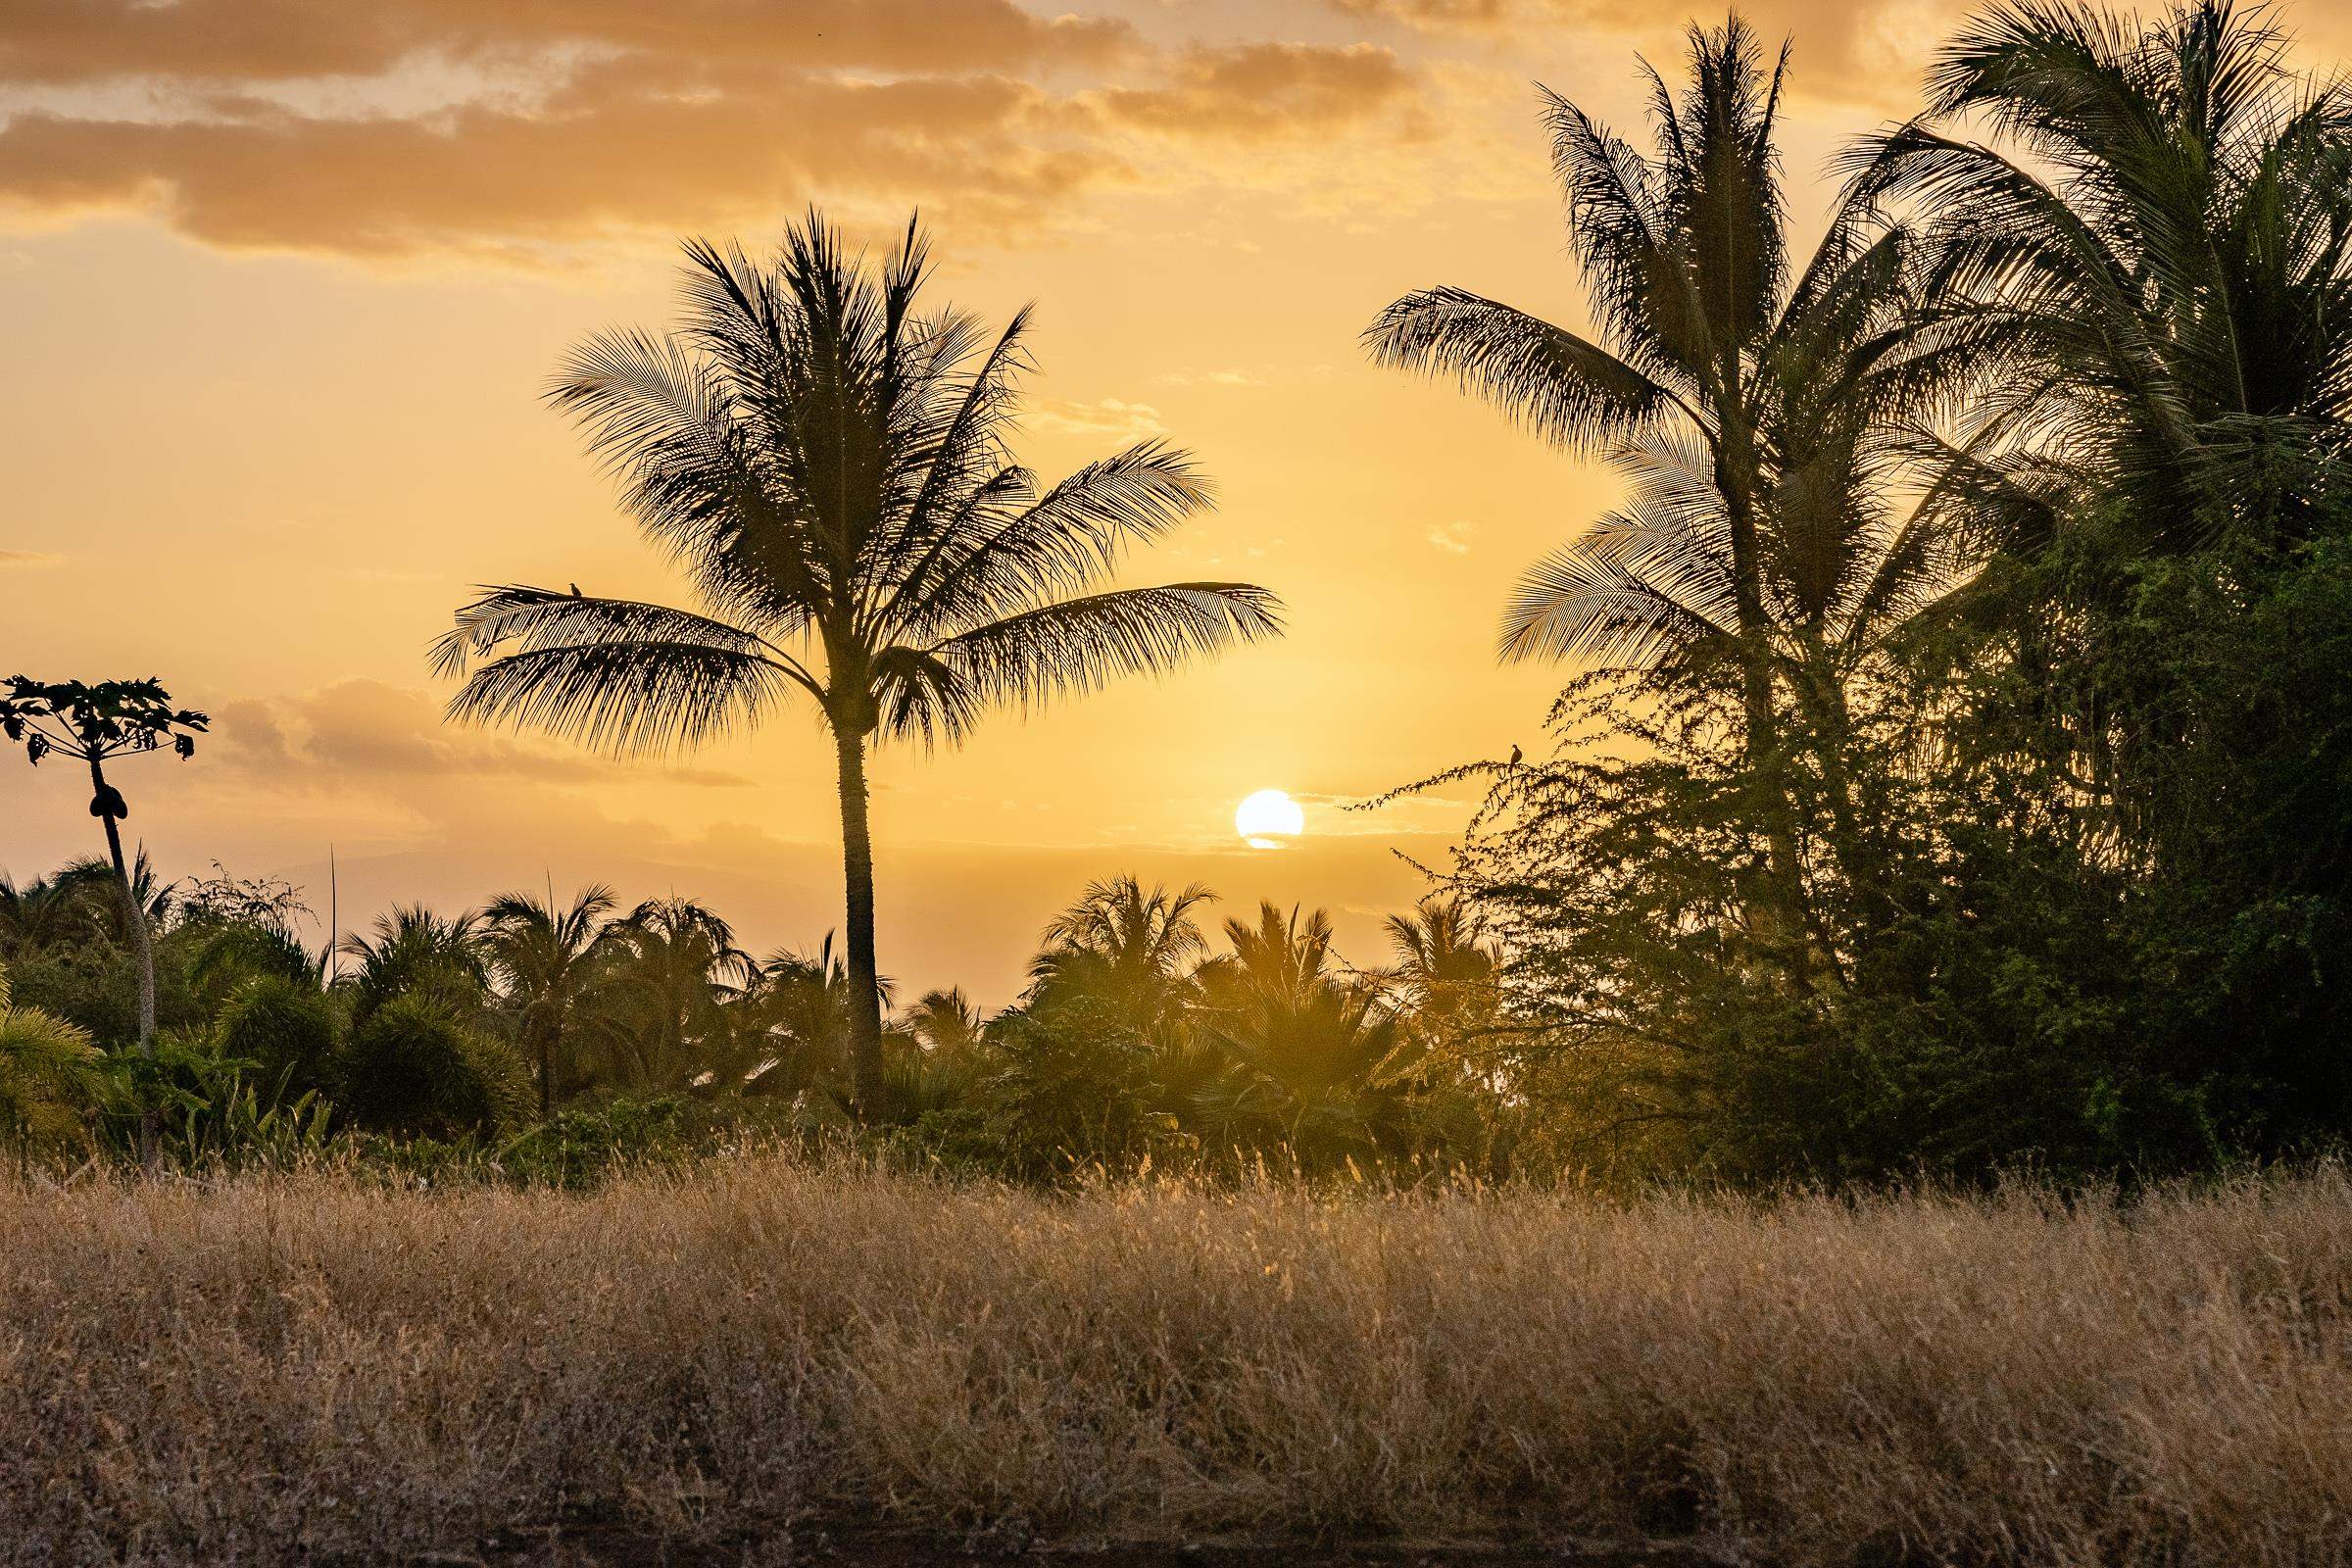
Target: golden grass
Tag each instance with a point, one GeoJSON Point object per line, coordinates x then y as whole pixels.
{"type": "Point", "coordinates": [309, 1365]}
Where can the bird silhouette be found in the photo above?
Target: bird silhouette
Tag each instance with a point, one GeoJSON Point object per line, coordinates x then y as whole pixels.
{"type": "Point", "coordinates": [575, 590]}
{"type": "Point", "coordinates": [1516, 754]}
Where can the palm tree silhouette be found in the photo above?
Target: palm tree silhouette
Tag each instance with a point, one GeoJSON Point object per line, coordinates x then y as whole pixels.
{"type": "Point", "coordinates": [944, 1022]}
{"type": "Point", "coordinates": [1756, 411]}
{"type": "Point", "coordinates": [1444, 964]}
{"type": "Point", "coordinates": [1317, 1053]}
{"type": "Point", "coordinates": [831, 466]}
{"type": "Point", "coordinates": [684, 972]}
{"type": "Point", "coordinates": [554, 966]}
{"type": "Point", "coordinates": [1127, 948]}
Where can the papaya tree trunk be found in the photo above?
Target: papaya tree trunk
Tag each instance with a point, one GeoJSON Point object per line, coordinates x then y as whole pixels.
{"type": "Point", "coordinates": [134, 920]}
{"type": "Point", "coordinates": [857, 876]}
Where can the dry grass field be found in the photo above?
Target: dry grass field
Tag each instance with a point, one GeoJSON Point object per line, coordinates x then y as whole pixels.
{"type": "Point", "coordinates": [315, 1369]}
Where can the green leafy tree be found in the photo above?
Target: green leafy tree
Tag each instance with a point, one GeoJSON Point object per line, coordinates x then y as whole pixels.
{"type": "Point", "coordinates": [831, 464]}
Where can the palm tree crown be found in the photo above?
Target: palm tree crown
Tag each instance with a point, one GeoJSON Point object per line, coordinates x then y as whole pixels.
{"type": "Point", "coordinates": [2161, 231]}
{"type": "Point", "coordinates": [831, 465]}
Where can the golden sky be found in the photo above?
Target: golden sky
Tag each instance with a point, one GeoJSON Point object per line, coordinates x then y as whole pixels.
{"type": "Point", "coordinates": [282, 281]}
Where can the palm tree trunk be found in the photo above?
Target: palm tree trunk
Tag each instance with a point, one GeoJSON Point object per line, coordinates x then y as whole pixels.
{"type": "Point", "coordinates": [1776, 913]}
{"type": "Point", "coordinates": [134, 919]}
{"type": "Point", "coordinates": [857, 876]}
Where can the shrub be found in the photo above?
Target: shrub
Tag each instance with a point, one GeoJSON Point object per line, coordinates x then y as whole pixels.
{"type": "Point", "coordinates": [286, 1029]}
{"type": "Point", "coordinates": [413, 1070]}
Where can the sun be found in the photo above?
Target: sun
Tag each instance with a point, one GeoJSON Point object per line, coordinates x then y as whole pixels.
{"type": "Point", "coordinates": [1268, 821]}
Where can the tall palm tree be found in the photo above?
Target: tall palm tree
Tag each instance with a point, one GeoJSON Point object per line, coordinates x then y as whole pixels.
{"type": "Point", "coordinates": [831, 465]}
{"type": "Point", "coordinates": [553, 965]}
{"type": "Point", "coordinates": [1756, 410]}
{"type": "Point", "coordinates": [2159, 230]}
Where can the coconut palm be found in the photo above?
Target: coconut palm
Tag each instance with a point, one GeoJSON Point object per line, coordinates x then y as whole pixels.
{"type": "Point", "coordinates": [831, 465]}
{"type": "Point", "coordinates": [2160, 228]}
{"type": "Point", "coordinates": [1758, 411]}
{"type": "Point", "coordinates": [554, 967]}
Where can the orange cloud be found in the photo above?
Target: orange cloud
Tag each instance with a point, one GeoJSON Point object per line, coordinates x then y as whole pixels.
{"type": "Point", "coordinates": [279, 40]}
{"type": "Point", "coordinates": [420, 126]}
{"type": "Point", "coordinates": [1255, 90]}
{"type": "Point", "coordinates": [367, 736]}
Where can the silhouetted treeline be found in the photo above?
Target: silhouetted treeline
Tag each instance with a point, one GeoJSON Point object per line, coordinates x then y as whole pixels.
{"type": "Point", "coordinates": [1959, 776]}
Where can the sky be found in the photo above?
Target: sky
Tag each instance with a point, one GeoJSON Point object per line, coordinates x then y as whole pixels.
{"type": "Point", "coordinates": [283, 281]}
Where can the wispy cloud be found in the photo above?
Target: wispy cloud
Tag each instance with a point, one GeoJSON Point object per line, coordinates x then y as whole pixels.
{"type": "Point", "coordinates": [29, 560]}
{"type": "Point", "coordinates": [1110, 417]}
{"type": "Point", "coordinates": [1453, 537]}
{"type": "Point", "coordinates": [1231, 377]}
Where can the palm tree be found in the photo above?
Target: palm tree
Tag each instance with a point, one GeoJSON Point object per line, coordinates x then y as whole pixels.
{"type": "Point", "coordinates": [1442, 964]}
{"type": "Point", "coordinates": [682, 975]}
{"type": "Point", "coordinates": [415, 953]}
{"type": "Point", "coordinates": [1758, 412]}
{"type": "Point", "coordinates": [554, 966]}
{"type": "Point", "coordinates": [945, 1023]}
{"type": "Point", "coordinates": [1127, 948]}
{"type": "Point", "coordinates": [48, 911]}
{"type": "Point", "coordinates": [2161, 232]}
{"type": "Point", "coordinates": [831, 465]}
{"type": "Point", "coordinates": [1320, 1056]}
{"type": "Point", "coordinates": [805, 1004]}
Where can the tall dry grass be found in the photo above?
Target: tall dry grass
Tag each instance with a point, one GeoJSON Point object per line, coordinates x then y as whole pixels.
{"type": "Point", "coordinates": [281, 1367]}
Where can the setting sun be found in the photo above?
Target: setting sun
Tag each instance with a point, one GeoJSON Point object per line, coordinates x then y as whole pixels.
{"type": "Point", "coordinates": [1269, 820]}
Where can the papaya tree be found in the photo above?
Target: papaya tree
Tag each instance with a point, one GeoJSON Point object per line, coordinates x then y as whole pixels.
{"type": "Point", "coordinates": [94, 724]}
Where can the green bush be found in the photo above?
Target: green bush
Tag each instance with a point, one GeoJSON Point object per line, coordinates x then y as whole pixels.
{"type": "Point", "coordinates": [287, 1030]}
{"type": "Point", "coordinates": [412, 1070]}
